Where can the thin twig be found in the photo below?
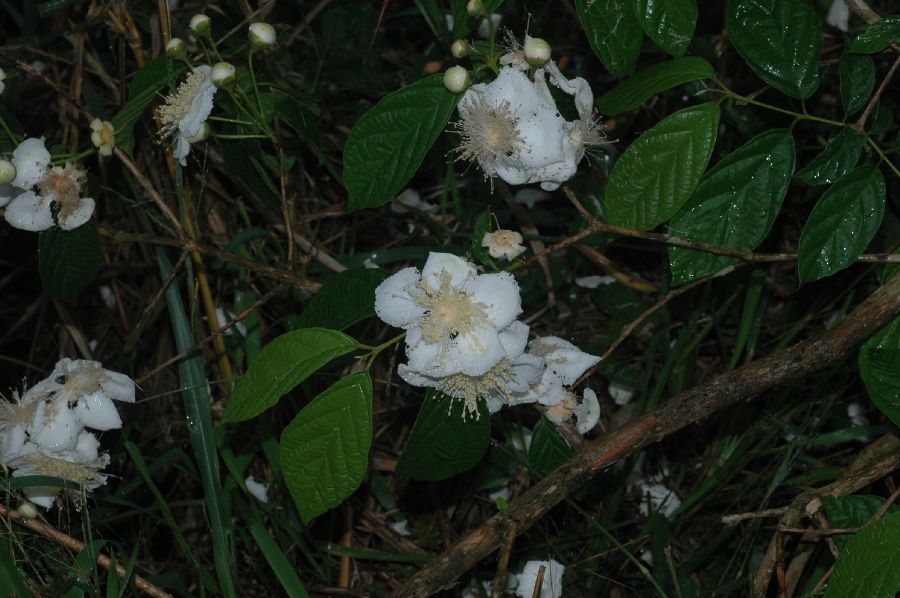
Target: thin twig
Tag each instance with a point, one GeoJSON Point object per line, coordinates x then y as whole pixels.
{"type": "Point", "coordinates": [503, 562]}
{"type": "Point", "coordinates": [860, 123]}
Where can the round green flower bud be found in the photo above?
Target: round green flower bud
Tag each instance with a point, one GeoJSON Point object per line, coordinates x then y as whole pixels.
{"type": "Point", "coordinates": [261, 35]}
{"type": "Point", "coordinates": [222, 74]}
{"type": "Point", "coordinates": [200, 24]}
{"type": "Point", "coordinates": [457, 79]}
{"type": "Point", "coordinates": [176, 49]}
{"type": "Point", "coordinates": [476, 8]}
{"type": "Point", "coordinates": [7, 172]}
{"type": "Point", "coordinates": [459, 49]}
{"type": "Point", "coordinates": [537, 51]}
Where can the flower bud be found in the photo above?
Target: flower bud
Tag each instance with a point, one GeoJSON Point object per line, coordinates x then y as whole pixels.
{"type": "Point", "coordinates": [476, 8]}
{"type": "Point", "coordinates": [222, 74]}
{"type": "Point", "coordinates": [457, 79]}
{"type": "Point", "coordinates": [537, 51]}
{"type": "Point", "coordinates": [261, 35]}
{"type": "Point", "coordinates": [103, 136]}
{"type": "Point", "coordinates": [459, 49]}
{"type": "Point", "coordinates": [200, 24]}
{"type": "Point", "coordinates": [176, 49]}
{"type": "Point", "coordinates": [29, 510]}
{"type": "Point", "coordinates": [201, 134]}
{"type": "Point", "coordinates": [7, 172]}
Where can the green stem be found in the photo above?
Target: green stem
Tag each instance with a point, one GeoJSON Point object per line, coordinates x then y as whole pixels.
{"type": "Point", "coordinates": [374, 351]}
{"type": "Point", "coordinates": [14, 138]}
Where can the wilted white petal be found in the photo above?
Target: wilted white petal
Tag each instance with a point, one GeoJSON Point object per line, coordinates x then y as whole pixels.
{"type": "Point", "coordinates": [838, 15]}
{"type": "Point", "coordinates": [55, 428]}
{"type": "Point", "coordinates": [563, 358]}
{"type": "Point", "coordinates": [70, 220]}
{"type": "Point", "coordinates": [29, 211]}
{"type": "Point", "coordinates": [552, 582]}
{"type": "Point", "coordinates": [31, 160]}
{"type": "Point", "coordinates": [587, 414]}
{"type": "Point", "coordinates": [514, 338]}
{"type": "Point", "coordinates": [98, 412]}
{"type": "Point", "coordinates": [259, 490]}
{"type": "Point", "coordinates": [658, 498]}
{"type": "Point", "coordinates": [592, 282]}
{"type": "Point", "coordinates": [393, 302]}
{"type": "Point", "coordinates": [88, 446]}
{"type": "Point", "coordinates": [620, 394]}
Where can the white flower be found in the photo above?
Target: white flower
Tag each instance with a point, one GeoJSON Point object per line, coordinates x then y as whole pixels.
{"type": "Point", "coordinates": [453, 316]}
{"type": "Point", "coordinates": [619, 393]}
{"type": "Point", "coordinates": [503, 244]}
{"type": "Point", "coordinates": [261, 35]}
{"type": "Point", "coordinates": [32, 211]}
{"type": "Point", "coordinates": [565, 364]}
{"type": "Point", "coordinates": [658, 498]}
{"type": "Point", "coordinates": [552, 581]}
{"type": "Point", "coordinates": [408, 200]}
{"type": "Point", "coordinates": [74, 466]}
{"type": "Point", "coordinates": [838, 15]}
{"type": "Point", "coordinates": [103, 136]}
{"type": "Point", "coordinates": [513, 128]}
{"type": "Point", "coordinates": [184, 112]}
{"type": "Point", "coordinates": [592, 282]}
{"type": "Point", "coordinates": [259, 490]}
{"type": "Point", "coordinates": [586, 411]}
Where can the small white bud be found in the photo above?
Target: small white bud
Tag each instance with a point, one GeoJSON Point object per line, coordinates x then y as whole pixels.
{"type": "Point", "coordinates": [457, 79]}
{"type": "Point", "coordinates": [537, 51]}
{"type": "Point", "coordinates": [459, 49]}
{"type": "Point", "coordinates": [7, 172]}
{"type": "Point", "coordinates": [261, 35]}
{"type": "Point", "coordinates": [200, 24]}
{"type": "Point", "coordinates": [475, 8]}
{"type": "Point", "coordinates": [222, 74]}
{"type": "Point", "coordinates": [201, 134]}
{"type": "Point", "coordinates": [176, 49]}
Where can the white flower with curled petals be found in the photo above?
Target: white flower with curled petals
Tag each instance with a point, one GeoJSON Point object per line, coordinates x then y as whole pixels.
{"type": "Point", "coordinates": [565, 364]}
{"type": "Point", "coordinates": [586, 411]}
{"type": "Point", "coordinates": [184, 112]}
{"type": "Point", "coordinates": [503, 244]}
{"type": "Point", "coordinates": [453, 316]}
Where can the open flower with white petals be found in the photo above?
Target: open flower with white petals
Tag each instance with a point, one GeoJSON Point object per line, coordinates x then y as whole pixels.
{"type": "Point", "coordinates": [184, 112]}
{"type": "Point", "coordinates": [514, 130]}
{"type": "Point", "coordinates": [453, 316]}
{"type": "Point", "coordinates": [586, 411]}
{"type": "Point", "coordinates": [503, 244]}
{"type": "Point", "coordinates": [565, 364]}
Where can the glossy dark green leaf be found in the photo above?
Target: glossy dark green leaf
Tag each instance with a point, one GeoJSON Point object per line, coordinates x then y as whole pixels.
{"type": "Point", "coordinates": [851, 511]}
{"type": "Point", "coordinates": [281, 365]}
{"type": "Point", "coordinates": [343, 300]}
{"type": "Point", "coordinates": [613, 32]}
{"type": "Point", "coordinates": [669, 23]}
{"type": "Point", "coordinates": [442, 443]}
{"type": "Point", "coordinates": [659, 171]}
{"type": "Point", "coordinates": [837, 159]}
{"type": "Point", "coordinates": [734, 205]}
{"type": "Point", "coordinates": [780, 40]}
{"type": "Point", "coordinates": [841, 224]}
{"type": "Point", "coordinates": [389, 142]}
{"type": "Point", "coordinates": [881, 119]}
{"type": "Point", "coordinates": [879, 367]}
{"type": "Point", "coordinates": [482, 225]}
{"type": "Point", "coordinates": [877, 36]}
{"type": "Point", "coordinates": [69, 260]}
{"type": "Point", "coordinates": [857, 81]}
{"type": "Point", "coordinates": [650, 81]}
{"type": "Point", "coordinates": [869, 565]}
{"type": "Point", "coordinates": [548, 449]}
{"type": "Point", "coordinates": [325, 449]}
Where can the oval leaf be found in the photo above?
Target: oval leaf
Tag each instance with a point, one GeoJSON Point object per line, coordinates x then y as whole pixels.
{"type": "Point", "coordinates": [648, 82]}
{"type": "Point", "coordinates": [69, 260]}
{"type": "Point", "coordinates": [851, 511]}
{"type": "Point", "coordinates": [877, 36]}
{"type": "Point", "coordinates": [442, 443]}
{"type": "Point", "coordinates": [389, 142]}
{"type": "Point", "coordinates": [343, 300]}
{"type": "Point", "coordinates": [869, 565]}
{"type": "Point", "coordinates": [780, 40]}
{"type": "Point", "coordinates": [841, 225]}
{"type": "Point", "coordinates": [734, 205]}
{"type": "Point", "coordinates": [659, 171]}
{"type": "Point", "coordinates": [613, 32]}
{"type": "Point", "coordinates": [670, 23]}
{"type": "Point", "coordinates": [281, 365]}
{"type": "Point", "coordinates": [879, 367]}
{"type": "Point", "coordinates": [325, 449]}
{"type": "Point", "coordinates": [548, 449]}
{"type": "Point", "coordinates": [857, 81]}
{"type": "Point", "coordinates": [837, 159]}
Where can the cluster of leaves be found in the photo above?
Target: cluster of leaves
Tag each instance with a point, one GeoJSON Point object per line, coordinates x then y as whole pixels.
{"type": "Point", "coordinates": [717, 140]}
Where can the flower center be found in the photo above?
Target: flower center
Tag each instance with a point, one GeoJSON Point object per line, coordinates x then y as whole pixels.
{"type": "Point", "coordinates": [450, 311]}
{"type": "Point", "coordinates": [63, 185]}
{"type": "Point", "coordinates": [177, 105]}
{"type": "Point", "coordinates": [488, 132]}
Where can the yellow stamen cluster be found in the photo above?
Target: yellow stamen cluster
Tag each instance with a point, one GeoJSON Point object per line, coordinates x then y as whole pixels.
{"type": "Point", "coordinates": [63, 184]}
{"type": "Point", "coordinates": [449, 312]}
{"type": "Point", "coordinates": [177, 105]}
{"type": "Point", "coordinates": [494, 382]}
{"type": "Point", "coordinates": [487, 132]}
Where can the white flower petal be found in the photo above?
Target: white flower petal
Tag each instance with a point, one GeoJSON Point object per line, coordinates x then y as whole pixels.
{"type": "Point", "coordinates": [118, 387]}
{"type": "Point", "coordinates": [78, 216]}
{"type": "Point", "coordinates": [514, 338]}
{"type": "Point", "coordinates": [551, 586]}
{"type": "Point", "coordinates": [527, 370]}
{"type": "Point", "coordinates": [259, 490]}
{"type": "Point", "coordinates": [500, 294]}
{"type": "Point", "coordinates": [88, 446]}
{"type": "Point", "coordinates": [459, 269]}
{"type": "Point", "coordinates": [12, 441]}
{"type": "Point", "coordinates": [29, 211]}
{"type": "Point", "coordinates": [587, 414]}
{"type": "Point", "coordinates": [393, 302]}
{"type": "Point", "coordinates": [563, 358]}
{"type": "Point", "coordinates": [474, 353]}
{"type": "Point", "coordinates": [55, 427]}
{"type": "Point", "coordinates": [97, 411]}
{"type": "Point", "coordinates": [31, 160]}
{"type": "Point", "coordinates": [201, 106]}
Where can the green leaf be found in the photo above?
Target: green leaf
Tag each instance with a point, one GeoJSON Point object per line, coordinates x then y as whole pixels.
{"type": "Point", "coordinates": [877, 36]}
{"type": "Point", "coordinates": [659, 171]}
{"type": "Point", "coordinates": [837, 159]}
{"type": "Point", "coordinates": [851, 511]}
{"type": "Point", "coordinates": [780, 40]}
{"type": "Point", "coordinates": [482, 225]}
{"type": "Point", "coordinates": [69, 260]}
{"type": "Point", "coordinates": [442, 443]}
{"type": "Point", "coordinates": [281, 365]}
{"type": "Point", "coordinates": [841, 225]}
{"type": "Point", "coordinates": [857, 81]}
{"type": "Point", "coordinates": [650, 81]}
{"type": "Point", "coordinates": [669, 23]}
{"type": "Point", "coordinates": [869, 565]}
{"type": "Point", "coordinates": [879, 367]}
{"type": "Point", "coordinates": [343, 300]}
{"type": "Point", "coordinates": [145, 86]}
{"type": "Point", "coordinates": [325, 449]}
{"type": "Point", "coordinates": [613, 32]}
{"type": "Point", "coordinates": [278, 561]}
{"type": "Point", "coordinates": [389, 142]}
{"type": "Point", "coordinates": [548, 449]}
{"type": "Point", "coordinates": [734, 205]}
